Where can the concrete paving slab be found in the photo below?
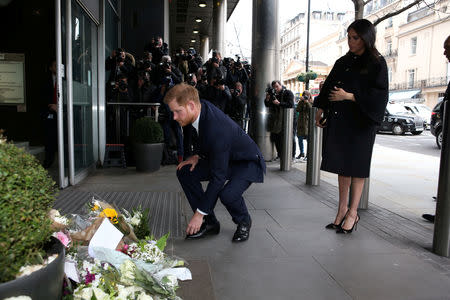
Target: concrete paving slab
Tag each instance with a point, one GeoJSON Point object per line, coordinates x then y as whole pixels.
{"type": "Point", "coordinates": [385, 276]}
{"type": "Point", "coordinates": [300, 278]}
{"type": "Point", "coordinates": [260, 245]}
{"type": "Point", "coordinates": [324, 241]}
{"type": "Point", "coordinates": [200, 287]}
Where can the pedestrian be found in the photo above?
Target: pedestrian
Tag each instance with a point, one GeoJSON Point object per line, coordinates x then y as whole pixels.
{"type": "Point", "coordinates": [351, 105]}
{"type": "Point", "coordinates": [303, 109]}
{"type": "Point", "coordinates": [223, 152]}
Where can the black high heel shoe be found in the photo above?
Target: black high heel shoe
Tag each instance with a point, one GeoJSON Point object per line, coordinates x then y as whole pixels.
{"type": "Point", "coordinates": [336, 226]}
{"type": "Point", "coordinates": [346, 231]}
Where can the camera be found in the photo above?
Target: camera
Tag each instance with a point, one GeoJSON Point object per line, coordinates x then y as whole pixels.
{"type": "Point", "coordinates": [219, 80]}
{"type": "Point", "coordinates": [165, 65]}
{"type": "Point", "coordinates": [271, 92]}
{"type": "Point", "coordinates": [235, 93]}
{"type": "Point", "coordinates": [119, 58]}
{"type": "Point", "coordinates": [190, 79]}
{"type": "Point", "coordinates": [123, 85]}
{"type": "Point", "coordinates": [145, 76]}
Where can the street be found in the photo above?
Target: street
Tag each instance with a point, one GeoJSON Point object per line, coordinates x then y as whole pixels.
{"type": "Point", "coordinates": [404, 173]}
{"type": "Point", "coordinates": [424, 143]}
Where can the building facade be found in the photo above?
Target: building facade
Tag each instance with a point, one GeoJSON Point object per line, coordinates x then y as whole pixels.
{"type": "Point", "coordinates": [411, 42]}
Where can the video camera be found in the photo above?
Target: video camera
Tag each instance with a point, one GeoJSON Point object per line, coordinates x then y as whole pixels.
{"type": "Point", "coordinates": [165, 65]}
{"type": "Point", "coordinates": [123, 85]}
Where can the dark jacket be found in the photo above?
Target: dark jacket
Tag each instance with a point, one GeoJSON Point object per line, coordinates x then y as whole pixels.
{"type": "Point", "coordinates": [230, 153]}
{"type": "Point", "coordinates": [349, 136]}
{"type": "Point", "coordinates": [217, 97]}
{"type": "Point", "coordinates": [275, 119]}
{"type": "Point", "coordinates": [363, 76]}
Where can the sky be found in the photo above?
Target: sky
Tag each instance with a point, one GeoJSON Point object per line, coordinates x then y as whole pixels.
{"type": "Point", "coordinates": [239, 26]}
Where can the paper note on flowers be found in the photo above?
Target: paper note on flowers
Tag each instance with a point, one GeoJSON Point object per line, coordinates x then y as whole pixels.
{"type": "Point", "coordinates": [107, 236]}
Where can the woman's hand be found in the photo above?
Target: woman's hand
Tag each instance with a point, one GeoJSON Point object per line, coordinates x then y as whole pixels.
{"type": "Point", "coordinates": [319, 113]}
{"type": "Point", "coordinates": [339, 94]}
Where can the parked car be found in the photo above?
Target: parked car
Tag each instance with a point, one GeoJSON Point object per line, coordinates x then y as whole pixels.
{"type": "Point", "coordinates": [422, 110]}
{"type": "Point", "coordinates": [399, 121]}
{"type": "Point", "coordinates": [436, 122]}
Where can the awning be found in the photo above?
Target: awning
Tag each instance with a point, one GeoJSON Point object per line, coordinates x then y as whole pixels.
{"type": "Point", "coordinates": [404, 94]}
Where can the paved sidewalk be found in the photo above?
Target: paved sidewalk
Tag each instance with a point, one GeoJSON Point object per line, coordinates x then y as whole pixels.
{"type": "Point", "coordinates": [290, 255]}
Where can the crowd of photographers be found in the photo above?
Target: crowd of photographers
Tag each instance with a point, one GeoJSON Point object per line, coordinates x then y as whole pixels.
{"type": "Point", "coordinates": [222, 81]}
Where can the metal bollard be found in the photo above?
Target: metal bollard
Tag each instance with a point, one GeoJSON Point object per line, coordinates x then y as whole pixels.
{"type": "Point", "coordinates": [286, 152]}
{"type": "Point", "coordinates": [364, 202]}
{"type": "Point", "coordinates": [314, 152]}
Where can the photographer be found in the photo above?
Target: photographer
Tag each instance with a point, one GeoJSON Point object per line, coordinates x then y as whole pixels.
{"type": "Point", "coordinates": [145, 87]}
{"type": "Point", "coordinates": [303, 109]}
{"type": "Point", "coordinates": [237, 73]}
{"type": "Point", "coordinates": [217, 92]}
{"type": "Point", "coordinates": [118, 64]}
{"type": "Point", "coordinates": [277, 97]}
{"type": "Point", "coordinates": [167, 69]}
{"type": "Point", "coordinates": [158, 49]}
{"type": "Point", "coordinates": [235, 109]}
{"type": "Point", "coordinates": [121, 91]}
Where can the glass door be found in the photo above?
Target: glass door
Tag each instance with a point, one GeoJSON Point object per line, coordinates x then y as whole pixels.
{"type": "Point", "coordinates": [84, 82]}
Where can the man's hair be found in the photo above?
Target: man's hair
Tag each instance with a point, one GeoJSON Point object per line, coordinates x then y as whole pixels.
{"type": "Point", "coordinates": [182, 93]}
{"type": "Point", "coordinates": [276, 81]}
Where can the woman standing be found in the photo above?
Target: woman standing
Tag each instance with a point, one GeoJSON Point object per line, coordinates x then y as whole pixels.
{"type": "Point", "coordinates": [303, 108]}
{"type": "Point", "coordinates": [351, 105]}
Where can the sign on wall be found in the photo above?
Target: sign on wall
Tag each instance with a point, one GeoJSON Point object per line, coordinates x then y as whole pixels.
{"type": "Point", "coordinates": [12, 78]}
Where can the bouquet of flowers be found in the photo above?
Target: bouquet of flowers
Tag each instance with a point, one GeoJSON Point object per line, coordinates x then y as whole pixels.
{"type": "Point", "coordinates": [137, 268]}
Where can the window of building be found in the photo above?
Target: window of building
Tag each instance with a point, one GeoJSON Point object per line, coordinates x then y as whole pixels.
{"type": "Point", "coordinates": [390, 74]}
{"type": "Point", "coordinates": [388, 47]}
{"type": "Point", "coordinates": [329, 16]}
{"type": "Point", "coordinates": [317, 15]}
{"type": "Point", "coordinates": [340, 16]}
{"type": "Point", "coordinates": [389, 23]}
{"type": "Point", "coordinates": [411, 78]}
{"type": "Point", "coordinates": [414, 45]}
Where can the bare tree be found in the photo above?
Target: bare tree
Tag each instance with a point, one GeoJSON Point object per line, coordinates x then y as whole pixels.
{"type": "Point", "coordinates": [360, 4]}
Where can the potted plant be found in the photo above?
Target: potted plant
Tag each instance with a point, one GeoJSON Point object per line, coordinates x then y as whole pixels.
{"type": "Point", "coordinates": [147, 138]}
{"type": "Point", "coordinates": [26, 196]}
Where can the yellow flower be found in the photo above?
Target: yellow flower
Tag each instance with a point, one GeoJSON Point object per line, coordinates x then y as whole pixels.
{"type": "Point", "coordinates": [111, 214]}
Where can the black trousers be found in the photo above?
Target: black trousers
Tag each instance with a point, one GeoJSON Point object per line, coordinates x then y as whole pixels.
{"type": "Point", "coordinates": [230, 195]}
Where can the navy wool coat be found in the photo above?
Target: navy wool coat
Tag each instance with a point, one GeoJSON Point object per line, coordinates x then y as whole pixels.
{"type": "Point", "coordinates": [351, 126]}
{"type": "Point", "coordinates": [229, 151]}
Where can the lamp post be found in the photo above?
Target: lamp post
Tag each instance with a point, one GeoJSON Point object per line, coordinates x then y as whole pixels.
{"type": "Point", "coordinates": [307, 43]}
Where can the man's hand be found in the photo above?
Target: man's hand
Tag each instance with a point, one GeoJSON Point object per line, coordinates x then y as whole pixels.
{"type": "Point", "coordinates": [276, 102]}
{"type": "Point", "coordinates": [195, 223]}
{"type": "Point", "coordinates": [193, 160]}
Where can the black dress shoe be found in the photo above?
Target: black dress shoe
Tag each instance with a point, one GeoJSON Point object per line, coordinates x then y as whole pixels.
{"type": "Point", "coordinates": [428, 217]}
{"type": "Point", "coordinates": [205, 229]}
{"type": "Point", "coordinates": [242, 232]}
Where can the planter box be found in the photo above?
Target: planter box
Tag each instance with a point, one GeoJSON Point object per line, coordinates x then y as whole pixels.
{"type": "Point", "coordinates": [45, 283]}
{"type": "Point", "coordinates": [148, 156]}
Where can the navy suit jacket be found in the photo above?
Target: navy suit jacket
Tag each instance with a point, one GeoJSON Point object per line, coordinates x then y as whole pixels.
{"type": "Point", "coordinates": [229, 151]}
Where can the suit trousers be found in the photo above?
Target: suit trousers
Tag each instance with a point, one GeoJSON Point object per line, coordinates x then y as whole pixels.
{"type": "Point", "coordinates": [230, 195]}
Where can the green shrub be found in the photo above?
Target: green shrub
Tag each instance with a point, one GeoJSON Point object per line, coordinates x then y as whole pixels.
{"type": "Point", "coordinates": [26, 195]}
{"type": "Point", "coordinates": [146, 131]}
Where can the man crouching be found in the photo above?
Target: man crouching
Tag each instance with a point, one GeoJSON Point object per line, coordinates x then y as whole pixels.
{"type": "Point", "coordinates": [222, 151]}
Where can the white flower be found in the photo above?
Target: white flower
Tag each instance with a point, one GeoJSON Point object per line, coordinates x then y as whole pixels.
{"type": "Point", "coordinates": [136, 219]}
{"type": "Point", "coordinates": [151, 253]}
{"type": "Point", "coordinates": [144, 296]}
{"type": "Point", "coordinates": [129, 292]}
{"type": "Point", "coordinates": [18, 298]}
{"type": "Point", "coordinates": [127, 269]}
{"type": "Point", "coordinates": [170, 280]}
{"type": "Point", "coordinates": [87, 292]}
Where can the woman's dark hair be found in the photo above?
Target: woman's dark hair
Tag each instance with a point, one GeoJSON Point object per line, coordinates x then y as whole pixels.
{"type": "Point", "coordinates": [366, 31]}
